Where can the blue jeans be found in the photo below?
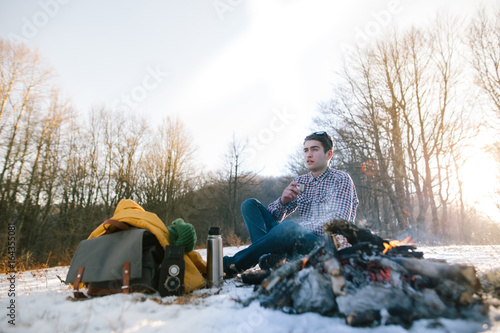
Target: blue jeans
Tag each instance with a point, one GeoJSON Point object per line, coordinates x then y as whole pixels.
{"type": "Point", "coordinates": [268, 236]}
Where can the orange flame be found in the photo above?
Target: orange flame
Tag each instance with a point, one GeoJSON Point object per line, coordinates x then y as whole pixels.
{"type": "Point", "coordinates": [395, 243]}
{"type": "Point", "coordinates": [304, 262]}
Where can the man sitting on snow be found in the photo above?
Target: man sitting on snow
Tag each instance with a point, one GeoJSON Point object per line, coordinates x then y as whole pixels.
{"type": "Point", "coordinates": [326, 194]}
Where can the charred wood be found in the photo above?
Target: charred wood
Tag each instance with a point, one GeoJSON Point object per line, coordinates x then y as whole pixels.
{"type": "Point", "coordinates": [463, 274]}
{"type": "Point", "coordinates": [362, 319]}
{"type": "Point", "coordinates": [353, 233]}
{"type": "Point", "coordinates": [314, 283]}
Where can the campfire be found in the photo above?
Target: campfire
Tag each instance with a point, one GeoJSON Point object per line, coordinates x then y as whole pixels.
{"type": "Point", "coordinates": [394, 243]}
{"type": "Point", "coordinates": [374, 282]}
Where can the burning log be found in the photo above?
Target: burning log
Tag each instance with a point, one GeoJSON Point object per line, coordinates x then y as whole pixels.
{"type": "Point", "coordinates": [281, 273]}
{"type": "Point", "coordinates": [372, 282]}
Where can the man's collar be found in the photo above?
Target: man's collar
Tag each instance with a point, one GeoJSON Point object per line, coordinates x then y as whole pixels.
{"type": "Point", "coordinates": [321, 176]}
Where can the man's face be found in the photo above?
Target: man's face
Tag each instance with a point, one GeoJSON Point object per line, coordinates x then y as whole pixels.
{"type": "Point", "coordinates": [315, 157]}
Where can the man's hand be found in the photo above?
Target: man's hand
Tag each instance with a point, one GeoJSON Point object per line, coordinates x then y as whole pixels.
{"type": "Point", "coordinates": [290, 193]}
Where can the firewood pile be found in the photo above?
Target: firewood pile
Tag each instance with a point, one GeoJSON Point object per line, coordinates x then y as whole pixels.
{"type": "Point", "coordinates": [372, 283]}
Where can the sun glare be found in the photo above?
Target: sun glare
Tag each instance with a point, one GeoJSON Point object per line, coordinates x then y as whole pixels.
{"type": "Point", "coordinates": [480, 181]}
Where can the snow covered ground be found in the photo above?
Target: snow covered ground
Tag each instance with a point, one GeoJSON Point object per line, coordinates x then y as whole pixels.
{"type": "Point", "coordinates": [43, 304]}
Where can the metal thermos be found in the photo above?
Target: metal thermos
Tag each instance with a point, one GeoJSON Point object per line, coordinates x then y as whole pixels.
{"type": "Point", "coordinates": [214, 258]}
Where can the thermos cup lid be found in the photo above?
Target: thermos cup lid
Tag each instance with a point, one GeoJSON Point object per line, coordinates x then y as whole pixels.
{"type": "Point", "coordinates": [214, 231]}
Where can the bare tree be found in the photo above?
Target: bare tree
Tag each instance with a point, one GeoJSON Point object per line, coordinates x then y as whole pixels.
{"type": "Point", "coordinates": [32, 115]}
{"type": "Point", "coordinates": [237, 181]}
{"type": "Point", "coordinates": [484, 42]}
{"type": "Point", "coordinates": [167, 168]}
{"type": "Point", "coordinates": [41, 176]}
{"type": "Point", "coordinates": [484, 37]}
{"type": "Point", "coordinates": [23, 80]}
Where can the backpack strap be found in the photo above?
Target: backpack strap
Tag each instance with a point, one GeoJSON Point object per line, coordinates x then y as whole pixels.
{"type": "Point", "coordinates": [126, 278]}
{"type": "Point", "coordinates": [118, 226]}
{"type": "Point", "coordinates": [76, 283]}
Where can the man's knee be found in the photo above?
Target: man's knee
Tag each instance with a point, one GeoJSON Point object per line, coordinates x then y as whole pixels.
{"type": "Point", "coordinates": [294, 229]}
{"type": "Point", "coordinates": [249, 203]}
{"type": "Point", "coordinates": [290, 225]}
{"type": "Point", "coordinates": [289, 229]}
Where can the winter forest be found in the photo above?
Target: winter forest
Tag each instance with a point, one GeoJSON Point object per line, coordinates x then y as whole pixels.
{"type": "Point", "coordinates": [406, 110]}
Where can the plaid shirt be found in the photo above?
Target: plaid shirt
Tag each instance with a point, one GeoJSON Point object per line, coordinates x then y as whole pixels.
{"type": "Point", "coordinates": [331, 195]}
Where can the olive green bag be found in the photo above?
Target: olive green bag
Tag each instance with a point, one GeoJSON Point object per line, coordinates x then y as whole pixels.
{"type": "Point", "coordinates": [127, 259]}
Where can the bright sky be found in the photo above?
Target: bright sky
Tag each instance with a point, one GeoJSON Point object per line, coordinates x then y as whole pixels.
{"type": "Point", "coordinates": [253, 69]}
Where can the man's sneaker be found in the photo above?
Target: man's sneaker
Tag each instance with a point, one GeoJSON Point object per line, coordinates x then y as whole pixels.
{"type": "Point", "coordinates": [271, 261]}
{"type": "Point", "coordinates": [230, 270]}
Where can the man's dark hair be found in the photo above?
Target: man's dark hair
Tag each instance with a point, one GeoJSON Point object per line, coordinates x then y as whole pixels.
{"type": "Point", "coordinates": [323, 137]}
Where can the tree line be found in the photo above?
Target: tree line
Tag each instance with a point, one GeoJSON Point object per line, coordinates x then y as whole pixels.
{"type": "Point", "coordinates": [402, 113]}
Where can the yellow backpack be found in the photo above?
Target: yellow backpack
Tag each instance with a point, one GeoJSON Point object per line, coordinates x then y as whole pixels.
{"type": "Point", "coordinates": [132, 214]}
